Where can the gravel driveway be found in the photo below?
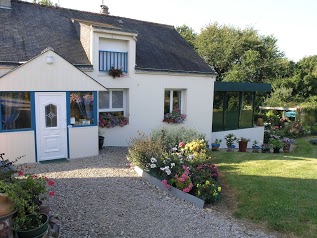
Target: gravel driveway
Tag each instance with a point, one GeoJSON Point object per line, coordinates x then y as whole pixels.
{"type": "Point", "coordinates": [102, 197]}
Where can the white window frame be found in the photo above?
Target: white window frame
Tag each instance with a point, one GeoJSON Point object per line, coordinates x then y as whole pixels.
{"type": "Point", "coordinates": [110, 109]}
{"type": "Point", "coordinates": [182, 98]}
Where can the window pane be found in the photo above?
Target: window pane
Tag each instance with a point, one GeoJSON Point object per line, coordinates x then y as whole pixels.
{"type": "Point", "coordinates": [167, 102]}
{"type": "Point", "coordinates": [176, 100]}
{"type": "Point", "coordinates": [82, 107]}
{"type": "Point", "coordinates": [217, 120]}
{"type": "Point", "coordinates": [104, 100]}
{"type": "Point", "coordinates": [117, 99]}
{"type": "Point", "coordinates": [15, 110]}
{"type": "Point", "coordinates": [246, 116]}
{"type": "Point", "coordinates": [232, 113]}
{"type": "Point", "coordinates": [50, 116]}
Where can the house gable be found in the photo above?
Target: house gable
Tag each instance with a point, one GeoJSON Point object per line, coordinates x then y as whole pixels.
{"type": "Point", "coordinates": [48, 72]}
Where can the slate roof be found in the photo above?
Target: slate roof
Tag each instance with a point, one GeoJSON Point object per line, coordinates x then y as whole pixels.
{"type": "Point", "coordinates": [28, 28]}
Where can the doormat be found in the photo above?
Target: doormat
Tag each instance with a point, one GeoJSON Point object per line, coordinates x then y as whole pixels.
{"type": "Point", "coordinates": [54, 161]}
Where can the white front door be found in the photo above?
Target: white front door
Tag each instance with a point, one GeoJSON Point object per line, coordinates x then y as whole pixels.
{"type": "Point", "coordinates": [51, 132]}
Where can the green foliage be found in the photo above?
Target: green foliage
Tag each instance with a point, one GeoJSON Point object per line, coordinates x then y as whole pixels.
{"type": "Point", "coordinates": [142, 149]}
{"type": "Point", "coordinates": [44, 2]}
{"type": "Point", "coordinates": [171, 137]}
{"type": "Point", "coordinates": [187, 33]}
{"type": "Point", "coordinates": [240, 55]}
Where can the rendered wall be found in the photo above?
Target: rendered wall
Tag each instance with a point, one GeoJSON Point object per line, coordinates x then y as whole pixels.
{"type": "Point", "coordinates": [146, 104]}
{"type": "Point", "coordinates": [83, 141]}
{"type": "Point", "coordinates": [15, 144]}
{"type": "Point", "coordinates": [256, 133]}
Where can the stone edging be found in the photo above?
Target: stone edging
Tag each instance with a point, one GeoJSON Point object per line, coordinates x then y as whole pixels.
{"type": "Point", "coordinates": [173, 191]}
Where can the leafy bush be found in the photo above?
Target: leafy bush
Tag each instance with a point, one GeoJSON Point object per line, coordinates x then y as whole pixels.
{"type": "Point", "coordinates": [142, 149]}
{"type": "Point", "coordinates": [171, 137]}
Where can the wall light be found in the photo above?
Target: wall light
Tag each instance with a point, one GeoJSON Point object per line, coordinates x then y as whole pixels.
{"type": "Point", "coordinates": [49, 59]}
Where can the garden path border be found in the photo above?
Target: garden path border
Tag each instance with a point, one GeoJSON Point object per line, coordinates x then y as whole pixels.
{"type": "Point", "coordinates": [173, 191]}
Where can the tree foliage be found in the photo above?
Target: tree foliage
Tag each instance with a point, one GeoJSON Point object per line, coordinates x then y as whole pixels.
{"type": "Point", "coordinates": [240, 55]}
{"type": "Point", "coordinates": [187, 33]}
{"type": "Point", "coordinates": [44, 2]}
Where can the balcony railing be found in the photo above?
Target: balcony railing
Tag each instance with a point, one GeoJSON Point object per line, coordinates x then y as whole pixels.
{"type": "Point", "coordinates": [108, 59]}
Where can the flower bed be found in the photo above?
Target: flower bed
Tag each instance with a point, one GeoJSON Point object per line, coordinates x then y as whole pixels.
{"type": "Point", "coordinates": [185, 167]}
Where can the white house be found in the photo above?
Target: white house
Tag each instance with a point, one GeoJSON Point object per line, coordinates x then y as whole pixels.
{"type": "Point", "coordinates": [55, 82]}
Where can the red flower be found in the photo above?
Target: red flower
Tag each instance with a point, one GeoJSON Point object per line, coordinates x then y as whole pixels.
{"type": "Point", "coordinates": [51, 182]}
{"type": "Point", "coordinates": [20, 173]}
{"type": "Point", "coordinates": [51, 193]}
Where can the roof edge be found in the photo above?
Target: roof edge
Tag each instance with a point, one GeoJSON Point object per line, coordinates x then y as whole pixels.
{"type": "Point", "coordinates": [175, 71]}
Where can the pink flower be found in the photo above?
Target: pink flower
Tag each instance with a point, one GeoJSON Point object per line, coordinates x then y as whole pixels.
{"type": "Point", "coordinates": [20, 173]}
{"type": "Point", "coordinates": [181, 144]}
{"type": "Point", "coordinates": [186, 190]}
{"type": "Point", "coordinates": [166, 184]}
{"type": "Point", "coordinates": [51, 183]}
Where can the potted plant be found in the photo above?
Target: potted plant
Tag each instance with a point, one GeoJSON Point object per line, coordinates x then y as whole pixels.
{"type": "Point", "coordinates": [215, 146]}
{"type": "Point", "coordinates": [115, 72]}
{"type": "Point", "coordinates": [230, 139]}
{"type": "Point", "coordinates": [276, 143]}
{"type": "Point", "coordinates": [243, 144]}
{"type": "Point", "coordinates": [109, 120]}
{"type": "Point", "coordinates": [27, 194]}
{"type": "Point", "coordinates": [266, 148]}
{"type": "Point", "coordinates": [287, 142]}
{"type": "Point", "coordinates": [255, 146]}
{"type": "Point", "coordinates": [174, 117]}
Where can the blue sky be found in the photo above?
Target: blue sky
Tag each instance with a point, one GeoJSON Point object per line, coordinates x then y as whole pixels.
{"type": "Point", "coordinates": [292, 22]}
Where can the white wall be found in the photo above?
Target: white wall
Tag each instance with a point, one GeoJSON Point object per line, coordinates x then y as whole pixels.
{"type": "Point", "coordinates": [83, 141]}
{"type": "Point", "coordinates": [15, 144]}
{"type": "Point", "coordinates": [146, 104]}
{"type": "Point", "coordinates": [255, 133]}
{"type": "Point", "coordinates": [37, 75]}
{"type": "Point", "coordinates": [4, 69]}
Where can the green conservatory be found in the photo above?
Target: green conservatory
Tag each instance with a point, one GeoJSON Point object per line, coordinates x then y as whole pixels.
{"type": "Point", "coordinates": [234, 104]}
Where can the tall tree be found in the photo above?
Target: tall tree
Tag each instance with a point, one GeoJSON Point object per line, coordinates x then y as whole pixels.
{"type": "Point", "coordinates": [187, 33]}
{"type": "Point", "coordinates": [240, 55]}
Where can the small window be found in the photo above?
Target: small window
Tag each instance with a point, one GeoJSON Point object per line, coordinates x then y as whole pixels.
{"type": "Point", "coordinates": [108, 59]}
{"type": "Point", "coordinates": [82, 108]}
{"type": "Point", "coordinates": [172, 101]}
{"type": "Point", "coordinates": [15, 110]}
{"type": "Point", "coordinates": [113, 101]}
{"type": "Point", "coordinates": [112, 108]}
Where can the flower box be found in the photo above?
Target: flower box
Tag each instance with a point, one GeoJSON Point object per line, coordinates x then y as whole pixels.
{"type": "Point", "coordinates": [173, 191]}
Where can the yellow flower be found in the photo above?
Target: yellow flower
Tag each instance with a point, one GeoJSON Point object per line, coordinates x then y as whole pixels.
{"type": "Point", "coordinates": [207, 182]}
{"type": "Point", "coordinates": [219, 189]}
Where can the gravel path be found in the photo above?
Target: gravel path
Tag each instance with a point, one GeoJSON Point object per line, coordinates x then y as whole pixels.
{"type": "Point", "coordinates": [102, 197]}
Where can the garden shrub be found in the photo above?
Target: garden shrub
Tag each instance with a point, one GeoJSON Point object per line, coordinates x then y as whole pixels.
{"type": "Point", "coordinates": [171, 137]}
{"type": "Point", "coordinates": [184, 165]}
{"type": "Point", "coordinates": [142, 149]}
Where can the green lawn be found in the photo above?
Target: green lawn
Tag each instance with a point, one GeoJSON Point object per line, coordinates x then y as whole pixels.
{"type": "Point", "coordinates": [279, 190]}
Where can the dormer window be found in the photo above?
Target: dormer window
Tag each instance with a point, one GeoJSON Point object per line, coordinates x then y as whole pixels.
{"type": "Point", "coordinates": [108, 59]}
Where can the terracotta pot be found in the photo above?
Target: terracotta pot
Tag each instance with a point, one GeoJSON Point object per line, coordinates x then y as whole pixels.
{"type": "Point", "coordinates": [6, 205]}
{"type": "Point", "coordinates": [243, 146]}
{"type": "Point", "coordinates": [260, 121]}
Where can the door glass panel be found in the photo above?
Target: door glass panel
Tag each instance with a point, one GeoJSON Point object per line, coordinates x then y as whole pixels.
{"type": "Point", "coordinates": [51, 115]}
